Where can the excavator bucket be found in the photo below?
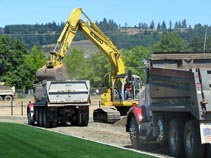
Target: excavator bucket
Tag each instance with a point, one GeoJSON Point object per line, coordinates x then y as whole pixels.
{"type": "Point", "coordinates": [56, 73]}
{"type": "Point", "coordinates": [106, 115]}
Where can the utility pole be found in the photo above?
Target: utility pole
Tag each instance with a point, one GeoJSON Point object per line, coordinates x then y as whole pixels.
{"type": "Point", "coordinates": [205, 40]}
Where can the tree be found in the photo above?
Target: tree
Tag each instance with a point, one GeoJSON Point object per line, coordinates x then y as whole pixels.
{"type": "Point", "coordinates": [170, 25]}
{"type": "Point", "coordinates": [171, 42]}
{"type": "Point", "coordinates": [176, 25]}
{"type": "Point", "coordinates": [12, 54]}
{"type": "Point", "coordinates": [158, 26]}
{"type": "Point", "coordinates": [18, 66]}
{"type": "Point", "coordinates": [134, 60]}
{"type": "Point", "coordinates": [98, 67]}
{"type": "Point", "coordinates": [76, 64]}
{"type": "Point", "coordinates": [33, 61]}
{"type": "Point", "coordinates": [198, 44]}
{"type": "Point", "coordinates": [91, 68]}
{"type": "Point", "coordinates": [152, 25]}
{"type": "Point", "coordinates": [163, 25]}
{"type": "Point", "coordinates": [184, 24]}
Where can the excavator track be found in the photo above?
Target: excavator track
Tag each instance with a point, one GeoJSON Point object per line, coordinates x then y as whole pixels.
{"type": "Point", "coordinates": [106, 115]}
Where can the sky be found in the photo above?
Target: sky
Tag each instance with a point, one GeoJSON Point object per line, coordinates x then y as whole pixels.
{"type": "Point", "coordinates": [123, 12]}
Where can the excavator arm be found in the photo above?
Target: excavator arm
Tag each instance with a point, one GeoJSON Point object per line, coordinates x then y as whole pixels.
{"type": "Point", "coordinates": [65, 38]}
{"type": "Point", "coordinates": [55, 70]}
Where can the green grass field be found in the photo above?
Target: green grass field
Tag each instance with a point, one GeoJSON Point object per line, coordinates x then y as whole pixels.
{"type": "Point", "coordinates": [20, 141]}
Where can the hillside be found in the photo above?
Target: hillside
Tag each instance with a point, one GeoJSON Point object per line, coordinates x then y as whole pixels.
{"type": "Point", "coordinates": [85, 45]}
{"type": "Point", "coordinates": [44, 35]}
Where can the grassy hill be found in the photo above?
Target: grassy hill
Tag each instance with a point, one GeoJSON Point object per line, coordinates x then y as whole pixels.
{"type": "Point", "coordinates": [87, 46]}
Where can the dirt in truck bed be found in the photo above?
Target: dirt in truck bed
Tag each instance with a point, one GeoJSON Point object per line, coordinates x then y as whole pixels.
{"type": "Point", "coordinates": [114, 134]}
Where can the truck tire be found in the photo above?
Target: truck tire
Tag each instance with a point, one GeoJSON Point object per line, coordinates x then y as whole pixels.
{"type": "Point", "coordinates": [176, 143]}
{"type": "Point", "coordinates": [85, 119]}
{"type": "Point", "coordinates": [40, 118]}
{"type": "Point", "coordinates": [134, 133]}
{"type": "Point", "coordinates": [8, 98]}
{"type": "Point", "coordinates": [192, 140]}
{"type": "Point", "coordinates": [82, 118]}
{"type": "Point", "coordinates": [162, 132]}
{"type": "Point", "coordinates": [46, 122]}
{"type": "Point", "coordinates": [1, 98]}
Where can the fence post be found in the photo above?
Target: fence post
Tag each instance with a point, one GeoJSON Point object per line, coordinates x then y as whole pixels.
{"type": "Point", "coordinates": [21, 108]}
{"type": "Point", "coordinates": [11, 108]}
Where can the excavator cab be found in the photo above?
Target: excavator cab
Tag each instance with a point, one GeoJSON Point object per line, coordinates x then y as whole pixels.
{"type": "Point", "coordinates": [117, 99]}
{"type": "Point", "coordinates": [126, 88]}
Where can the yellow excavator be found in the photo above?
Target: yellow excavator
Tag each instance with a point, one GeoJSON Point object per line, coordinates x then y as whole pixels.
{"type": "Point", "coordinates": [116, 100]}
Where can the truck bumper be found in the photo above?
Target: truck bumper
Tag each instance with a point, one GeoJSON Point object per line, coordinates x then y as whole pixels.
{"type": "Point", "coordinates": [205, 130]}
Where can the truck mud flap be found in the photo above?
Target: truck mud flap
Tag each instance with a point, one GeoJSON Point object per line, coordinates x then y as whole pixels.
{"type": "Point", "coordinates": [205, 130]}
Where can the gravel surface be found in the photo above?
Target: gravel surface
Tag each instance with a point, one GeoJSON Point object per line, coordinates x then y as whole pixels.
{"type": "Point", "coordinates": [100, 132]}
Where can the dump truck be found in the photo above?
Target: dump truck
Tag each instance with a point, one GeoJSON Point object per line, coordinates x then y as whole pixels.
{"type": "Point", "coordinates": [175, 106]}
{"type": "Point", "coordinates": [7, 93]}
{"type": "Point", "coordinates": [60, 102]}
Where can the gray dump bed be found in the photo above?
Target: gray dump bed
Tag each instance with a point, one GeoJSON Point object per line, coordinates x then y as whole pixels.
{"type": "Point", "coordinates": [68, 92]}
{"type": "Point", "coordinates": [181, 83]}
{"type": "Point", "coordinates": [6, 90]}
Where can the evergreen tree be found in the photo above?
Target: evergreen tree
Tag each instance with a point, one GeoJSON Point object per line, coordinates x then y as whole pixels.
{"type": "Point", "coordinates": [158, 26]}
{"type": "Point", "coordinates": [152, 25]}
{"type": "Point", "coordinates": [176, 25]}
{"type": "Point", "coordinates": [170, 25]}
{"type": "Point", "coordinates": [184, 24]}
{"type": "Point", "coordinates": [163, 25]}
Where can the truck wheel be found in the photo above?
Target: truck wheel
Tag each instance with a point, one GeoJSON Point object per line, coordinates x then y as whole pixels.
{"type": "Point", "coordinates": [134, 133]}
{"type": "Point", "coordinates": [85, 119]}
{"type": "Point", "coordinates": [162, 132]}
{"type": "Point", "coordinates": [40, 118]}
{"type": "Point", "coordinates": [46, 123]}
{"type": "Point", "coordinates": [82, 118]}
{"type": "Point", "coordinates": [8, 98]}
{"type": "Point", "coordinates": [192, 140]}
{"type": "Point", "coordinates": [176, 144]}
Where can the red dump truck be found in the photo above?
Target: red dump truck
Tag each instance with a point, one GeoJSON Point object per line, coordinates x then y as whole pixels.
{"type": "Point", "coordinates": [175, 106]}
